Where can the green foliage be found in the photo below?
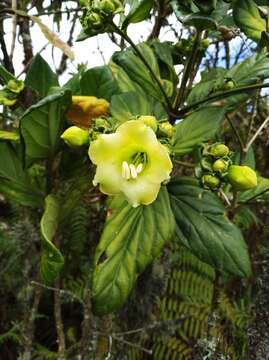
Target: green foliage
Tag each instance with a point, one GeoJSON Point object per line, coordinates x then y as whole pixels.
{"type": "Point", "coordinates": [40, 76]}
{"type": "Point", "coordinates": [248, 17]}
{"type": "Point", "coordinates": [186, 302]}
{"type": "Point", "coordinates": [15, 182]}
{"type": "Point", "coordinates": [42, 124]}
{"type": "Point", "coordinates": [98, 82]}
{"type": "Point", "coordinates": [137, 71]}
{"type": "Point", "coordinates": [51, 259]}
{"type": "Point", "coordinates": [139, 11]}
{"type": "Point", "coordinates": [131, 239]}
{"type": "Point", "coordinates": [203, 227]}
{"type": "Point", "coordinates": [195, 129]}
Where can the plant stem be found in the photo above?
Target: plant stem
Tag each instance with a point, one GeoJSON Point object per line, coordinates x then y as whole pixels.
{"type": "Point", "coordinates": [59, 322]}
{"type": "Point", "coordinates": [30, 327]}
{"type": "Point", "coordinates": [145, 62]}
{"type": "Point", "coordinates": [182, 112]}
{"type": "Point", "coordinates": [237, 135]}
{"type": "Point", "coordinates": [187, 71]}
{"type": "Point", "coordinates": [251, 141]}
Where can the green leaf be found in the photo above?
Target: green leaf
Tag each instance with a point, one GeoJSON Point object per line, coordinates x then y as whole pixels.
{"type": "Point", "coordinates": [40, 76]}
{"type": "Point", "coordinates": [6, 75]}
{"type": "Point", "coordinates": [9, 135]}
{"type": "Point", "coordinates": [42, 124]}
{"type": "Point", "coordinates": [211, 81]}
{"type": "Point", "coordinates": [200, 22]}
{"type": "Point", "coordinates": [196, 128]}
{"type": "Point", "coordinates": [128, 105]}
{"type": "Point", "coordinates": [132, 239]}
{"type": "Point", "coordinates": [15, 182]}
{"type": "Point", "coordinates": [139, 11]}
{"type": "Point", "coordinates": [247, 17]}
{"type": "Point", "coordinates": [99, 82]}
{"type": "Point", "coordinates": [137, 70]}
{"type": "Point", "coordinates": [52, 260]}
{"type": "Point", "coordinates": [203, 226]}
{"type": "Point", "coordinates": [261, 191]}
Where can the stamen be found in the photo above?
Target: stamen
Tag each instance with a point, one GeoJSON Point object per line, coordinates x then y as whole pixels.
{"type": "Point", "coordinates": [139, 168]}
{"type": "Point", "coordinates": [125, 170]}
{"type": "Point", "coordinates": [133, 171]}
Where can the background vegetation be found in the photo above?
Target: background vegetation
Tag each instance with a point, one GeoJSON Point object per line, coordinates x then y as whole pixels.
{"type": "Point", "coordinates": [193, 301]}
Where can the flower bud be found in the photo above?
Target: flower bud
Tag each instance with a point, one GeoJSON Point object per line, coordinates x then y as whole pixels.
{"type": "Point", "coordinates": [219, 150]}
{"type": "Point", "coordinates": [16, 86]}
{"type": "Point", "coordinates": [95, 19]}
{"type": "Point", "coordinates": [107, 6]}
{"type": "Point", "coordinates": [229, 85]}
{"type": "Point", "coordinates": [101, 124]}
{"type": "Point", "coordinates": [149, 121]}
{"type": "Point", "coordinates": [220, 166]}
{"type": "Point", "coordinates": [242, 177]}
{"type": "Point", "coordinates": [166, 128]}
{"type": "Point", "coordinates": [75, 136]}
{"type": "Point", "coordinates": [211, 181]}
{"type": "Point", "coordinates": [205, 43]}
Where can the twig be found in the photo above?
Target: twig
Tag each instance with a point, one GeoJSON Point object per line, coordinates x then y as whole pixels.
{"type": "Point", "coordinates": [187, 71]}
{"type": "Point", "coordinates": [222, 193]}
{"type": "Point", "coordinates": [256, 134]}
{"type": "Point", "coordinates": [86, 329]}
{"type": "Point", "coordinates": [59, 323]}
{"type": "Point", "coordinates": [60, 291]}
{"type": "Point", "coordinates": [237, 135]}
{"type": "Point", "coordinates": [14, 26]}
{"type": "Point", "coordinates": [220, 95]}
{"type": "Point", "coordinates": [184, 163]}
{"type": "Point", "coordinates": [30, 325]}
{"type": "Point", "coordinates": [141, 348]}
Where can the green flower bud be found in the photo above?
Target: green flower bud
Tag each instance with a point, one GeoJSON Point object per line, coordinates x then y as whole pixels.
{"type": "Point", "coordinates": [220, 166]}
{"type": "Point", "coordinates": [149, 121]}
{"type": "Point", "coordinates": [229, 85]}
{"type": "Point", "coordinates": [94, 19]}
{"type": "Point", "coordinates": [219, 150]}
{"type": "Point", "coordinates": [107, 6]}
{"type": "Point", "coordinates": [101, 124]}
{"type": "Point", "coordinates": [166, 129]}
{"type": "Point", "coordinates": [242, 177]}
{"type": "Point", "coordinates": [205, 43]}
{"type": "Point", "coordinates": [211, 181]}
{"type": "Point", "coordinates": [16, 86]}
{"type": "Point", "coordinates": [75, 136]}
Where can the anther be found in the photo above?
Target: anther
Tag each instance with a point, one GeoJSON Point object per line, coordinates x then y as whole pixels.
{"type": "Point", "coordinates": [125, 170]}
{"type": "Point", "coordinates": [133, 171]}
{"type": "Point", "coordinates": [139, 168]}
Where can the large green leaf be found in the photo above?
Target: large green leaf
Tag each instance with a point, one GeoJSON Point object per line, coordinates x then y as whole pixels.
{"type": "Point", "coordinates": [42, 124]}
{"type": "Point", "coordinates": [130, 104]}
{"type": "Point", "coordinates": [196, 128]}
{"type": "Point", "coordinates": [139, 11]}
{"type": "Point", "coordinates": [99, 82]}
{"type": "Point", "coordinates": [52, 260]}
{"type": "Point", "coordinates": [210, 82]}
{"type": "Point", "coordinates": [261, 191]}
{"type": "Point", "coordinates": [40, 76]}
{"type": "Point", "coordinates": [203, 226]}
{"type": "Point", "coordinates": [15, 182]}
{"type": "Point", "coordinates": [132, 238]}
{"type": "Point", "coordinates": [137, 70]}
{"type": "Point", "coordinates": [247, 17]}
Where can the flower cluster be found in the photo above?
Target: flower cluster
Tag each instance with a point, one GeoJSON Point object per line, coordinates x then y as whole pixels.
{"type": "Point", "coordinates": [10, 92]}
{"type": "Point", "coordinates": [97, 13]}
{"type": "Point", "coordinates": [216, 168]}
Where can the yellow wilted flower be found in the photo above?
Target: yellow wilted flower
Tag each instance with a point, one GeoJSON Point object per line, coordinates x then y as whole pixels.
{"type": "Point", "coordinates": [86, 108]}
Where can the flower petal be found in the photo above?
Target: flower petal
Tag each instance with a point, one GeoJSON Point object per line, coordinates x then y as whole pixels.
{"type": "Point", "coordinates": [140, 191]}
